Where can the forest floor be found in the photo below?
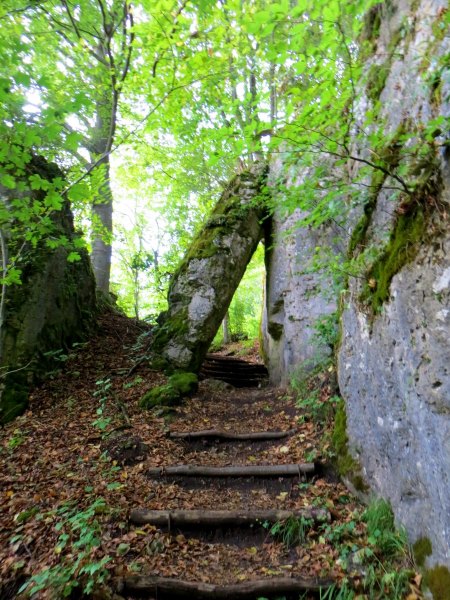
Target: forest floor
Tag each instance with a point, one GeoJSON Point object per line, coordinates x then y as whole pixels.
{"type": "Point", "coordinates": [76, 464]}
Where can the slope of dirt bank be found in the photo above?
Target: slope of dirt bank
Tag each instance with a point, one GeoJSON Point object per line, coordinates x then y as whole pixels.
{"type": "Point", "coordinates": [76, 464]}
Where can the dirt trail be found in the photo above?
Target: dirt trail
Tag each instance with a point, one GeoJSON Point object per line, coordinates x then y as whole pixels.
{"type": "Point", "coordinates": [78, 462]}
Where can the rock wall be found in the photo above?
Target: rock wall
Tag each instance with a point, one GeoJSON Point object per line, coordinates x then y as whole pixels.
{"type": "Point", "coordinates": [294, 299]}
{"type": "Point", "coordinates": [394, 355]}
{"type": "Point", "coordinates": [394, 359]}
{"type": "Point", "coordinates": [203, 286]}
{"type": "Point", "coordinates": [52, 307]}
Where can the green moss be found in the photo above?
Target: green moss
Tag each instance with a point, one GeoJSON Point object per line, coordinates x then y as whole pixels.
{"type": "Point", "coordinates": [185, 382]}
{"type": "Point", "coordinates": [14, 400]}
{"type": "Point", "coordinates": [275, 330]}
{"type": "Point", "coordinates": [163, 395]}
{"type": "Point", "coordinates": [359, 232]}
{"type": "Point", "coordinates": [438, 580]}
{"type": "Point", "coordinates": [345, 461]}
{"type": "Point", "coordinates": [401, 249]}
{"type": "Point", "coordinates": [421, 549]}
{"type": "Point", "coordinates": [370, 31]}
{"type": "Point", "coordinates": [376, 79]}
{"type": "Point", "coordinates": [179, 384]}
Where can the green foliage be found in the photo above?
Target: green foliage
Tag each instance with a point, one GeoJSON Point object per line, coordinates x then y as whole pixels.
{"type": "Point", "coordinates": [16, 439]}
{"type": "Point", "coordinates": [382, 534]}
{"type": "Point", "coordinates": [292, 531]}
{"type": "Point", "coordinates": [438, 580]}
{"type": "Point", "coordinates": [79, 538]}
{"type": "Point", "coordinates": [102, 393]}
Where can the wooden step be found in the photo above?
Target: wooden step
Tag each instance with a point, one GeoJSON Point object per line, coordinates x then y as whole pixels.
{"type": "Point", "coordinates": [223, 518]}
{"type": "Point", "coordinates": [228, 435]}
{"type": "Point", "coordinates": [289, 470]}
{"type": "Point", "coordinates": [166, 587]}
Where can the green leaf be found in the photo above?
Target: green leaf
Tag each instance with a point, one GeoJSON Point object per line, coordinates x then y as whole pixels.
{"type": "Point", "coordinates": [73, 257]}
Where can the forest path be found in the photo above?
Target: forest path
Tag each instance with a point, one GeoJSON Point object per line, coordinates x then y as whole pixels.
{"type": "Point", "coordinates": [76, 465]}
{"type": "Point", "coordinates": [254, 536]}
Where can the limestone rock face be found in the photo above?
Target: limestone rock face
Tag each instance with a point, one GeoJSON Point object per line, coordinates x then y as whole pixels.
{"type": "Point", "coordinates": [296, 298]}
{"type": "Point", "coordinates": [202, 288]}
{"type": "Point", "coordinates": [394, 364]}
{"type": "Point", "coordinates": [50, 309]}
{"type": "Point", "coordinates": [394, 355]}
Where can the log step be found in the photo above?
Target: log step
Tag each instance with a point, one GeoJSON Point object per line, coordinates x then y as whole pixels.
{"type": "Point", "coordinates": [289, 470]}
{"type": "Point", "coordinates": [228, 435]}
{"type": "Point", "coordinates": [222, 518]}
{"type": "Point", "coordinates": [166, 587]}
{"type": "Point", "coordinates": [236, 371]}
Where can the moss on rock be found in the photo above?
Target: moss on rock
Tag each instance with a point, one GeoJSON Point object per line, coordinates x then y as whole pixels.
{"type": "Point", "coordinates": [438, 580]}
{"type": "Point", "coordinates": [422, 548]}
{"type": "Point", "coordinates": [347, 466]}
{"type": "Point", "coordinates": [180, 384]}
{"type": "Point", "coordinates": [401, 249]}
{"type": "Point", "coordinates": [185, 382]}
{"type": "Point", "coordinates": [163, 395]}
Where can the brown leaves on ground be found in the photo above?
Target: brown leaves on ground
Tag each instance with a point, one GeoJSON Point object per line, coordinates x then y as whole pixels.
{"type": "Point", "coordinates": [84, 437]}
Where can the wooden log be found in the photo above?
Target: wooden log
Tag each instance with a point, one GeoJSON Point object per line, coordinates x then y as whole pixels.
{"type": "Point", "coordinates": [177, 588]}
{"type": "Point", "coordinates": [289, 470]}
{"type": "Point", "coordinates": [222, 518]}
{"type": "Point", "coordinates": [226, 435]}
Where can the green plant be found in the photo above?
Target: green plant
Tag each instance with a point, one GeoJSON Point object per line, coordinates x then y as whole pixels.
{"type": "Point", "coordinates": [102, 394]}
{"type": "Point", "coordinates": [292, 531]}
{"type": "Point", "coordinates": [382, 534]}
{"type": "Point", "coordinates": [17, 439]}
{"type": "Point", "coordinates": [136, 381]}
{"type": "Point", "coordinates": [80, 536]}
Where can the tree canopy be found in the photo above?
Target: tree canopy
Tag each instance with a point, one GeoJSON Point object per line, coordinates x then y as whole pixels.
{"type": "Point", "coordinates": [150, 107]}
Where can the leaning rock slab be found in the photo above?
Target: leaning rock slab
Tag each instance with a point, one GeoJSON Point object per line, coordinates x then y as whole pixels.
{"type": "Point", "coordinates": [203, 286]}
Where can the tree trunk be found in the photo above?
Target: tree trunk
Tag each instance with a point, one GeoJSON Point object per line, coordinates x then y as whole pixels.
{"type": "Point", "coordinates": [102, 230]}
{"type": "Point", "coordinates": [226, 328]}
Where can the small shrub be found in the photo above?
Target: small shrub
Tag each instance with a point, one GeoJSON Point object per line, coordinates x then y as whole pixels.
{"type": "Point", "coordinates": [80, 534]}
{"type": "Point", "coordinates": [292, 531]}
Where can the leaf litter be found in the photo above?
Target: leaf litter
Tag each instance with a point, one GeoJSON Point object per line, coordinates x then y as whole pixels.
{"type": "Point", "coordinates": [82, 440]}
